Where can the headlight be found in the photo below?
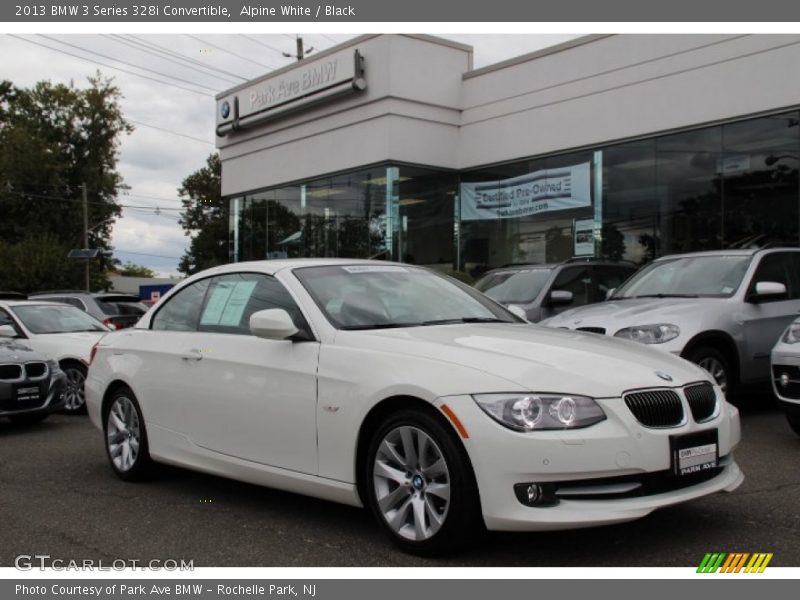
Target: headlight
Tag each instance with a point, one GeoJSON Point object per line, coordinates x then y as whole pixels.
{"type": "Point", "coordinates": [534, 412]}
{"type": "Point", "coordinates": [792, 335]}
{"type": "Point", "coordinates": [650, 334]}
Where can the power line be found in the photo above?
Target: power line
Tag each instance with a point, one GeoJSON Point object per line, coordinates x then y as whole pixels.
{"type": "Point", "coordinates": [97, 62]}
{"type": "Point", "coordinates": [106, 56]}
{"type": "Point", "coordinates": [146, 254]}
{"type": "Point", "coordinates": [264, 44]}
{"type": "Point", "coordinates": [163, 56]}
{"type": "Point", "coordinates": [183, 135]}
{"type": "Point", "coordinates": [220, 48]}
{"type": "Point", "coordinates": [182, 56]}
{"type": "Point", "coordinates": [62, 199]}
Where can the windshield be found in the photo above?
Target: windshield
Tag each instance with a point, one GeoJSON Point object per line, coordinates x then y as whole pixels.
{"type": "Point", "coordinates": [716, 276]}
{"type": "Point", "coordinates": [384, 296]}
{"type": "Point", "coordinates": [43, 318]}
{"type": "Point", "coordinates": [514, 286]}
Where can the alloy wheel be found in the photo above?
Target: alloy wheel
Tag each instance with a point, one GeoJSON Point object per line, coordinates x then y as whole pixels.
{"type": "Point", "coordinates": [412, 483]}
{"type": "Point", "coordinates": [123, 434]}
{"type": "Point", "coordinates": [74, 395]}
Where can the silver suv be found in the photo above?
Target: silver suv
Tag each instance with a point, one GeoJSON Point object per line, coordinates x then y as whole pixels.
{"type": "Point", "coordinates": [723, 310]}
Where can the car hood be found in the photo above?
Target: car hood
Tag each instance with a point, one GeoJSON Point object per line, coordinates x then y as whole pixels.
{"type": "Point", "coordinates": [66, 345]}
{"type": "Point", "coordinates": [614, 315]}
{"type": "Point", "coordinates": [536, 358]}
{"type": "Point", "coordinates": [13, 351]}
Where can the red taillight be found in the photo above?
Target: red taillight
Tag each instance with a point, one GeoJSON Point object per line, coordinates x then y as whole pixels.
{"type": "Point", "coordinates": [110, 324]}
{"type": "Point", "coordinates": [92, 352]}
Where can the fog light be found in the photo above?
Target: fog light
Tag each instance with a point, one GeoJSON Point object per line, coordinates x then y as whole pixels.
{"type": "Point", "coordinates": [784, 379]}
{"type": "Point", "coordinates": [536, 494]}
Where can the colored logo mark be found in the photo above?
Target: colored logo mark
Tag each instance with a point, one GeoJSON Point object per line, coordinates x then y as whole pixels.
{"type": "Point", "coordinates": [736, 562]}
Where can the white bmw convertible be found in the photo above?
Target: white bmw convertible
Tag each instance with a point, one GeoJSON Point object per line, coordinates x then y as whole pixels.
{"type": "Point", "coordinates": [394, 387]}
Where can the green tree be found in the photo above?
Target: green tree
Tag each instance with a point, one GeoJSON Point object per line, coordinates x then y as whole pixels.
{"type": "Point", "coordinates": [205, 218]}
{"type": "Point", "coordinates": [53, 139]}
{"type": "Point", "coordinates": [130, 269]}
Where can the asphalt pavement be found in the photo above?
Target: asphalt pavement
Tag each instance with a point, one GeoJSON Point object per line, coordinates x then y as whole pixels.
{"type": "Point", "coordinates": [58, 496]}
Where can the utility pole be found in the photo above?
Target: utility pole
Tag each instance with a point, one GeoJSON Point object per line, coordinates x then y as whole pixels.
{"type": "Point", "coordinates": [86, 230]}
{"type": "Point", "coordinates": [301, 51]}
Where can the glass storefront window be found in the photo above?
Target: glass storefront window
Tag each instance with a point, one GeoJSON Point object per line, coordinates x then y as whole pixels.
{"type": "Point", "coordinates": [725, 186]}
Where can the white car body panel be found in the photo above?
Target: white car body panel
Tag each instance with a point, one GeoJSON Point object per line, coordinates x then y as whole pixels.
{"type": "Point", "coordinates": [299, 405]}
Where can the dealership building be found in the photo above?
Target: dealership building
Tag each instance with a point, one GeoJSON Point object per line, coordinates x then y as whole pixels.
{"type": "Point", "coordinates": [619, 146]}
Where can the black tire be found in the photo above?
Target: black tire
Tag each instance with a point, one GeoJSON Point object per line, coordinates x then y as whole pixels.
{"type": "Point", "coordinates": [123, 403]}
{"type": "Point", "coordinates": [74, 392]}
{"type": "Point", "coordinates": [706, 356]}
{"type": "Point", "coordinates": [794, 422]}
{"type": "Point", "coordinates": [462, 520]}
{"type": "Point", "coordinates": [29, 419]}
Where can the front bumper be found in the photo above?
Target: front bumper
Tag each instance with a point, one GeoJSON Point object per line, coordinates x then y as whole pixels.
{"type": "Point", "coordinates": [54, 397]}
{"type": "Point", "coordinates": [617, 449]}
{"type": "Point", "coordinates": [786, 359]}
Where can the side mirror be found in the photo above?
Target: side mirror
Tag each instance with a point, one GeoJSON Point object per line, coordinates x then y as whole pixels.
{"type": "Point", "coordinates": [610, 293]}
{"type": "Point", "coordinates": [272, 324]}
{"type": "Point", "coordinates": [559, 298]}
{"type": "Point", "coordinates": [517, 311]}
{"type": "Point", "coordinates": [767, 289]}
{"type": "Point", "coordinates": [7, 331]}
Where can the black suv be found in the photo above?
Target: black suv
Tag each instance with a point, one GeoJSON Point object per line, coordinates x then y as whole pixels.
{"type": "Point", "coordinates": [544, 290]}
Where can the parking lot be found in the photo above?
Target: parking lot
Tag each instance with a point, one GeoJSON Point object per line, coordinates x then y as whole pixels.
{"type": "Point", "coordinates": [60, 498]}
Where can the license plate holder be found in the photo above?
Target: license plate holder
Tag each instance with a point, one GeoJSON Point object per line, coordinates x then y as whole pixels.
{"type": "Point", "coordinates": [694, 453]}
{"type": "Point", "coordinates": [28, 393]}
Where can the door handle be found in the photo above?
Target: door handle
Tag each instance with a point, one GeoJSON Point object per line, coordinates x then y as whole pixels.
{"type": "Point", "coordinates": [193, 354]}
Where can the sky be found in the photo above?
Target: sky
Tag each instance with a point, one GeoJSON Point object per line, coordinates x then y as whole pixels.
{"type": "Point", "coordinates": [168, 83]}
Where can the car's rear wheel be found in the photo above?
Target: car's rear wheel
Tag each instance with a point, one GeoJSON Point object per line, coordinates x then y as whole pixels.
{"type": "Point", "coordinates": [718, 365]}
{"type": "Point", "coordinates": [29, 419]}
{"type": "Point", "coordinates": [74, 394]}
{"type": "Point", "coordinates": [420, 486]}
{"type": "Point", "coordinates": [126, 437]}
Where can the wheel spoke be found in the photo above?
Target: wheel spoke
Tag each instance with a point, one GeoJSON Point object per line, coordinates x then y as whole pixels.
{"type": "Point", "coordinates": [389, 450]}
{"type": "Point", "coordinates": [392, 499]}
{"type": "Point", "coordinates": [419, 517]}
{"type": "Point", "coordinates": [434, 518]}
{"type": "Point", "coordinates": [407, 435]}
{"type": "Point", "coordinates": [385, 471]}
{"type": "Point", "coordinates": [441, 490]}
{"type": "Point", "coordinates": [435, 469]}
{"type": "Point", "coordinates": [116, 421]}
{"type": "Point", "coordinates": [397, 519]}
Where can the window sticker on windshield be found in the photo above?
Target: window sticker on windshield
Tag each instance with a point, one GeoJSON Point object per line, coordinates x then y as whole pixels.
{"type": "Point", "coordinates": [227, 303]}
{"type": "Point", "coordinates": [375, 269]}
{"type": "Point", "coordinates": [727, 290]}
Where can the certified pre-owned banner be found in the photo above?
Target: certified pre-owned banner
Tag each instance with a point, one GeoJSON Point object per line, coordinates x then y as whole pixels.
{"type": "Point", "coordinates": [541, 191]}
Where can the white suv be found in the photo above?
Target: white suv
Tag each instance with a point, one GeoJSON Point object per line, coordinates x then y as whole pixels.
{"type": "Point", "coordinates": [723, 310]}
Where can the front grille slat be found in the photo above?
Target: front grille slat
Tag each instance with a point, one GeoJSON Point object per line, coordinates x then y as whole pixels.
{"type": "Point", "coordinates": [702, 401]}
{"type": "Point", "coordinates": [656, 408]}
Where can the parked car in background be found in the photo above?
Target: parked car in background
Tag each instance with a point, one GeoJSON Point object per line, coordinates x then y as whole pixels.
{"type": "Point", "coordinates": [117, 310]}
{"type": "Point", "coordinates": [546, 290]}
{"type": "Point", "coordinates": [398, 388]}
{"type": "Point", "coordinates": [723, 310]}
{"type": "Point", "coordinates": [786, 373]}
{"type": "Point", "coordinates": [62, 333]}
{"type": "Point", "coordinates": [31, 385]}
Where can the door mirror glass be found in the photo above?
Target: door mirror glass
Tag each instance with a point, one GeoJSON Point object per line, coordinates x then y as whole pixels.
{"type": "Point", "coordinates": [560, 298]}
{"type": "Point", "coordinates": [7, 331]}
{"type": "Point", "coordinates": [272, 324]}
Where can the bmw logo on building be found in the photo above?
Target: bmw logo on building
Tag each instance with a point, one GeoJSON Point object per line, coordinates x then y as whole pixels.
{"type": "Point", "coordinates": [225, 109]}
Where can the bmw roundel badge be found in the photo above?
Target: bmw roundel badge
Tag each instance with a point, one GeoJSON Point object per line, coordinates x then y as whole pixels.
{"type": "Point", "coordinates": [664, 376]}
{"type": "Point", "coordinates": [226, 109]}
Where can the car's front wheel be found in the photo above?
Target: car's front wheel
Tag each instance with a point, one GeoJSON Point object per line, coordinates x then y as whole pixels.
{"type": "Point", "coordinates": [420, 485]}
{"type": "Point", "coordinates": [74, 395]}
{"type": "Point", "coordinates": [717, 364]}
{"type": "Point", "coordinates": [126, 437]}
